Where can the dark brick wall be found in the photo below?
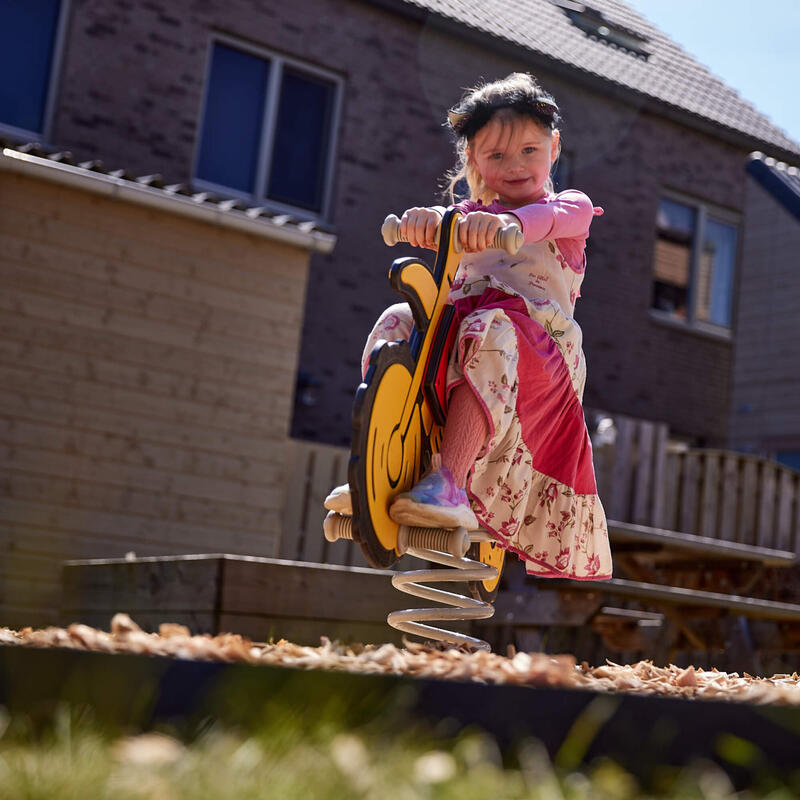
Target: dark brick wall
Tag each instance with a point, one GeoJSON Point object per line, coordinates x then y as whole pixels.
{"type": "Point", "coordinates": [766, 384]}
{"type": "Point", "coordinates": [131, 92]}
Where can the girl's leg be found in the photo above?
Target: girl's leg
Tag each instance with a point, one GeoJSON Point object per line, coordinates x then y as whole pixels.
{"type": "Point", "coordinates": [465, 433]}
{"type": "Point", "coordinates": [439, 498]}
{"type": "Point", "coordinates": [396, 322]}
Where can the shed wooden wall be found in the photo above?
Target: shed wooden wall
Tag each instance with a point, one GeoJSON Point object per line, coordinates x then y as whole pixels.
{"type": "Point", "coordinates": [147, 365]}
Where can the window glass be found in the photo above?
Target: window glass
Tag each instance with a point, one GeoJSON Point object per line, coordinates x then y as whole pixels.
{"type": "Point", "coordinates": [789, 458]}
{"type": "Point", "coordinates": [27, 40]}
{"type": "Point", "coordinates": [562, 172]}
{"type": "Point", "coordinates": [715, 273]}
{"type": "Point", "coordinates": [232, 123]}
{"type": "Point", "coordinates": [299, 155]}
{"type": "Point", "coordinates": [673, 258]}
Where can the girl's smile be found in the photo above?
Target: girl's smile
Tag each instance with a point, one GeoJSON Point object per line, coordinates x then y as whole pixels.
{"type": "Point", "coordinates": [513, 155]}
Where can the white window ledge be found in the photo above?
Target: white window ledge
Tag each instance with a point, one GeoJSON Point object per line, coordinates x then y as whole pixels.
{"type": "Point", "coordinates": [696, 328]}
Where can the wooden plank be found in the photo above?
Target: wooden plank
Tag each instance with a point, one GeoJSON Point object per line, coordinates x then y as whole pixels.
{"type": "Point", "coordinates": [309, 631]}
{"type": "Point", "coordinates": [643, 475]}
{"type": "Point", "coordinates": [164, 584]}
{"type": "Point", "coordinates": [192, 314]}
{"type": "Point", "coordinates": [97, 318]}
{"type": "Point", "coordinates": [786, 499]}
{"type": "Point", "coordinates": [746, 526]}
{"type": "Point", "coordinates": [90, 495]}
{"type": "Point", "coordinates": [690, 480]}
{"type": "Point", "coordinates": [119, 525]}
{"type": "Point", "coordinates": [619, 503]}
{"type": "Point", "coordinates": [336, 552]}
{"type": "Point", "coordinates": [145, 278]}
{"type": "Point", "coordinates": [309, 591]}
{"type": "Point", "coordinates": [796, 525]}
{"type": "Point", "coordinates": [532, 605]}
{"type": "Point", "coordinates": [765, 520]}
{"type": "Point", "coordinates": [109, 472]}
{"type": "Point", "coordinates": [603, 459]}
{"type": "Point", "coordinates": [237, 268]}
{"type": "Point", "coordinates": [700, 547]}
{"type": "Point", "coordinates": [53, 547]}
{"type": "Point", "coordinates": [56, 210]}
{"type": "Point", "coordinates": [673, 595]}
{"type": "Point", "coordinates": [294, 499]}
{"type": "Point", "coordinates": [322, 470]}
{"type": "Point", "coordinates": [710, 494]}
{"type": "Point", "coordinates": [43, 438]}
{"type": "Point", "coordinates": [59, 337]}
{"type": "Point", "coordinates": [142, 375]}
{"type": "Point", "coordinates": [268, 420]}
{"type": "Point", "coordinates": [35, 406]}
{"type": "Point", "coordinates": [729, 498]}
{"type": "Point", "coordinates": [671, 496]}
{"type": "Point", "coordinates": [659, 476]}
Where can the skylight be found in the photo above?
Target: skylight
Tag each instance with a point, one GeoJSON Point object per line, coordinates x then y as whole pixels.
{"type": "Point", "coordinates": [596, 26]}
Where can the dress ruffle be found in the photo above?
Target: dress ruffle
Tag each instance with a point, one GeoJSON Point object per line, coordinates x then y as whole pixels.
{"type": "Point", "coordinates": [533, 484]}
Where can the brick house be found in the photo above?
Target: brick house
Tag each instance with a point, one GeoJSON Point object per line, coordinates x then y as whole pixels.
{"type": "Point", "coordinates": [649, 134]}
{"type": "Point", "coordinates": [216, 104]}
{"type": "Point", "coordinates": [765, 414]}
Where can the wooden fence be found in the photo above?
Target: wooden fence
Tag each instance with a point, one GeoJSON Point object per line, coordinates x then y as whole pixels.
{"type": "Point", "coordinates": [642, 478]}
{"type": "Point", "coordinates": [734, 497]}
{"type": "Point", "coordinates": [313, 469]}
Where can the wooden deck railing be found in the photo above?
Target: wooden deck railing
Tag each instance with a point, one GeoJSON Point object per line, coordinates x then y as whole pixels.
{"type": "Point", "coordinates": [641, 479]}
{"type": "Point", "coordinates": [733, 497]}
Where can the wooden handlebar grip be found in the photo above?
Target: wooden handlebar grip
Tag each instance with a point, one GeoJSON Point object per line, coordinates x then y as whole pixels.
{"type": "Point", "coordinates": [509, 238]}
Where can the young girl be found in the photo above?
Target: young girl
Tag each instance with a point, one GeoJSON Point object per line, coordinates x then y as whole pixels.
{"type": "Point", "coordinates": [516, 458]}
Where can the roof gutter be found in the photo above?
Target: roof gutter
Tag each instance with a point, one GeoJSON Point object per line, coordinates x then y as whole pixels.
{"type": "Point", "coordinates": [121, 189]}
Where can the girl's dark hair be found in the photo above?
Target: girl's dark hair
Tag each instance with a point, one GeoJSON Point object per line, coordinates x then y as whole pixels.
{"type": "Point", "coordinates": [518, 92]}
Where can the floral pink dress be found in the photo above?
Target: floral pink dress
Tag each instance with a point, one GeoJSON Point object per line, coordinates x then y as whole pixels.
{"type": "Point", "coordinates": [519, 350]}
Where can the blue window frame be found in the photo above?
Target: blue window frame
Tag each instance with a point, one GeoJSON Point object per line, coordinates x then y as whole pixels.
{"type": "Point", "coordinates": [28, 40]}
{"type": "Point", "coordinates": [694, 263]}
{"type": "Point", "coordinates": [268, 128]}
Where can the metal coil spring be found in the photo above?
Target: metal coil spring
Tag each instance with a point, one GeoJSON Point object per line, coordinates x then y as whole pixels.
{"type": "Point", "coordinates": [456, 608]}
{"type": "Point", "coordinates": [441, 546]}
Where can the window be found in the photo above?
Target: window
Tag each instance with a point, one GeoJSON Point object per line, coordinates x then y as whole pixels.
{"type": "Point", "coordinates": [693, 264]}
{"type": "Point", "coordinates": [562, 172]}
{"type": "Point", "coordinates": [598, 27]}
{"type": "Point", "coordinates": [268, 129]}
{"type": "Point", "coordinates": [789, 458]}
{"type": "Point", "coordinates": [29, 36]}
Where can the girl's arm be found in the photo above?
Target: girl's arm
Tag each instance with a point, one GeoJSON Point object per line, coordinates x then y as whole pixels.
{"type": "Point", "coordinates": [566, 216]}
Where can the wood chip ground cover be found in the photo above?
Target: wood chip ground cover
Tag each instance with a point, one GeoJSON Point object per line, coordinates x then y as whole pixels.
{"type": "Point", "coordinates": [419, 660]}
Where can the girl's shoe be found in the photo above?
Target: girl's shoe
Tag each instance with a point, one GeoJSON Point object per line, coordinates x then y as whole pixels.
{"type": "Point", "coordinates": [340, 501]}
{"type": "Point", "coordinates": [435, 502]}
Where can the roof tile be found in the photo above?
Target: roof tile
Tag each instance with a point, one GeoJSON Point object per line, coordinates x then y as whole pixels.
{"type": "Point", "coordinates": [668, 74]}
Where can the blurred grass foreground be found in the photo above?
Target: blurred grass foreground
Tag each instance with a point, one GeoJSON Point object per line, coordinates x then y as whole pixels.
{"type": "Point", "coordinates": [293, 754]}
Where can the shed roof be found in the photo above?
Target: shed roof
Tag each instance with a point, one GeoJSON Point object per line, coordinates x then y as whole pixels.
{"type": "Point", "coordinates": [781, 180]}
{"type": "Point", "coordinates": [60, 166]}
{"type": "Point", "coordinates": [607, 40]}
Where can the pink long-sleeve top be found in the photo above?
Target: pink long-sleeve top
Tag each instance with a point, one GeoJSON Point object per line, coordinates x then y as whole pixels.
{"type": "Point", "coordinates": [551, 263]}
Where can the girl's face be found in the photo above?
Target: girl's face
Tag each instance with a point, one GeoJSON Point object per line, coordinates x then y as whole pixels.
{"type": "Point", "coordinates": [513, 155]}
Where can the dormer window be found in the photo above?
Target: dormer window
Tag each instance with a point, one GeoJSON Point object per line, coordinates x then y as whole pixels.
{"type": "Point", "coordinates": [595, 25]}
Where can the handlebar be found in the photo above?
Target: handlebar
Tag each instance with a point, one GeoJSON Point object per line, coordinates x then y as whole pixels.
{"type": "Point", "coordinates": [509, 238]}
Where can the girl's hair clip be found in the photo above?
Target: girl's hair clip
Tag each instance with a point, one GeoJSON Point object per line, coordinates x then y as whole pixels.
{"type": "Point", "coordinates": [469, 121]}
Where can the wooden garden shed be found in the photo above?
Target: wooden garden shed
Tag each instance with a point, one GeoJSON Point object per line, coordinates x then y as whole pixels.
{"type": "Point", "coordinates": [147, 368]}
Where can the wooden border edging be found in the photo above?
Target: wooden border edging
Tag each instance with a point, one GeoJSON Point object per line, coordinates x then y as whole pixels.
{"type": "Point", "coordinates": [675, 595]}
{"type": "Point", "coordinates": [702, 546]}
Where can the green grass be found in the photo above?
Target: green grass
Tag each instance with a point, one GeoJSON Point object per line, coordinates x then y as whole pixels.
{"type": "Point", "coordinates": [292, 757]}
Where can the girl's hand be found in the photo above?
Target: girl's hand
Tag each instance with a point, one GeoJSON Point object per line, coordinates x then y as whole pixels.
{"type": "Point", "coordinates": [418, 227]}
{"type": "Point", "coordinates": [476, 230]}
